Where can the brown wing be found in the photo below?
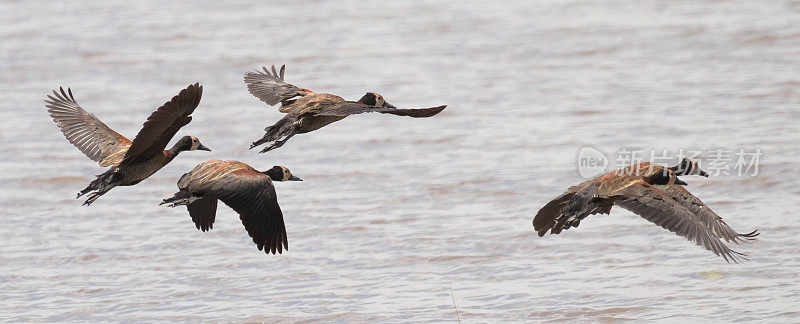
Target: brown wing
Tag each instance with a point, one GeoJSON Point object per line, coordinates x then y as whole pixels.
{"type": "Point", "coordinates": [270, 87]}
{"type": "Point", "coordinates": [351, 108]}
{"type": "Point", "coordinates": [252, 195]}
{"type": "Point", "coordinates": [162, 125]}
{"type": "Point", "coordinates": [82, 129]}
{"type": "Point", "coordinates": [661, 209]}
{"type": "Point", "coordinates": [545, 218]}
{"type": "Point", "coordinates": [203, 212]}
{"type": "Point", "coordinates": [202, 181]}
{"type": "Point", "coordinates": [568, 209]}
{"type": "Point", "coordinates": [705, 214]}
{"type": "Point", "coordinates": [249, 193]}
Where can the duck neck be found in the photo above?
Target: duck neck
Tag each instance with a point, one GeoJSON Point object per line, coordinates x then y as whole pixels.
{"type": "Point", "coordinates": [175, 150]}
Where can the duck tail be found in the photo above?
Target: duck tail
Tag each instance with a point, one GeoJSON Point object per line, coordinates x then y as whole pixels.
{"type": "Point", "coordinates": [100, 186]}
{"type": "Point", "coordinates": [277, 134]}
{"type": "Point", "coordinates": [183, 197]}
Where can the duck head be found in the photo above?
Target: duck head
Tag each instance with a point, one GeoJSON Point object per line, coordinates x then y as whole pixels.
{"type": "Point", "coordinates": [688, 167]}
{"type": "Point", "coordinates": [279, 173]}
{"type": "Point", "coordinates": [670, 175]}
{"type": "Point", "coordinates": [664, 176]}
{"type": "Point", "coordinates": [375, 100]}
{"type": "Point", "coordinates": [188, 143]}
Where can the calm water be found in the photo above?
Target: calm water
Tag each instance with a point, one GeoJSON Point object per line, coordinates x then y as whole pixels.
{"type": "Point", "coordinates": [395, 212]}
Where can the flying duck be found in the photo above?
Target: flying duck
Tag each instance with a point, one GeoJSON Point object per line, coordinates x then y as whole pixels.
{"type": "Point", "coordinates": [653, 192]}
{"type": "Point", "coordinates": [246, 190]}
{"type": "Point", "coordinates": [312, 111]}
{"type": "Point", "coordinates": [130, 161]}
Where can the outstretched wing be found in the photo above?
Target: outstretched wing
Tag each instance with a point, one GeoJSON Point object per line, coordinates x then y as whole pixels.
{"type": "Point", "coordinates": [545, 218]}
{"type": "Point", "coordinates": [661, 209]}
{"type": "Point", "coordinates": [269, 86]}
{"type": "Point", "coordinates": [203, 212]}
{"type": "Point", "coordinates": [96, 140]}
{"type": "Point", "coordinates": [568, 209]}
{"type": "Point", "coordinates": [347, 108]}
{"type": "Point", "coordinates": [252, 195]}
{"type": "Point", "coordinates": [248, 192]}
{"type": "Point", "coordinates": [162, 125]}
{"type": "Point", "coordinates": [705, 214]}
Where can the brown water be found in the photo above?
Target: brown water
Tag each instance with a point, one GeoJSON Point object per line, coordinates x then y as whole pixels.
{"type": "Point", "coordinates": [394, 212]}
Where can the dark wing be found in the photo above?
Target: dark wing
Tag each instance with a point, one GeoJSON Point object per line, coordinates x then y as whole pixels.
{"type": "Point", "coordinates": [413, 112]}
{"type": "Point", "coordinates": [270, 87]}
{"type": "Point", "coordinates": [568, 209]}
{"type": "Point", "coordinates": [162, 125]}
{"type": "Point", "coordinates": [661, 209]}
{"type": "Point", "coordinates": [203, 212]}
{"type": "Point", "coordinates": [347, 108]}
{"type": "Point", "coordinates": [706, 215]}
{"type": "Point", "coordinates": [96, 140]}
{"type": "Point", "coordinates": [546, 217]}
{"type": "Point", "coordinates": [252, 195]}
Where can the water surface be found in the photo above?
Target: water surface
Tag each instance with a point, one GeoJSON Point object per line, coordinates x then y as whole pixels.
{"type": "Point", "coordinates": [396, 213]}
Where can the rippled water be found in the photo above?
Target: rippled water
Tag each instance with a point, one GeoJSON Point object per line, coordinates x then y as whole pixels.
{"type": "Point", "coordinates": [395, 214]}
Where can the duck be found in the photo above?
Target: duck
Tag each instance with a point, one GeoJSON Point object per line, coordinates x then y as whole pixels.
{"type": "Point", "coordinates": [653, 192]}
{"type": "Point", "coordinates": [307, 111]}
{"type": "Point", "coordinates": [246, 190]}
{"type": "Point", "coordinates": [130, 162]}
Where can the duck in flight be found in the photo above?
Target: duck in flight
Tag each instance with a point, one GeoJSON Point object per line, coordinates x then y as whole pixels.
{"type": "Point", "coordinates": [307, 111]}
{"type": "Point", "coordinates": [130, 161]}
{"type": "Point", "coordinates": [653, 192]}
{"type": "Point", "coordinates": [246, 190]}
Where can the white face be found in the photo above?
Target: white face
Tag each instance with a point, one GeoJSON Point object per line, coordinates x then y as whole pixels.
{"type": "Point", "coordinates": [286, 174]}
{"type": "Point", "coordinates": [694, 168]}
{"type": "Point", "coordinates": [195, 143]}
{"type": "Point", "coordinates": [378, 100]}
{"type": "Point", "coordinates": [672, 178]}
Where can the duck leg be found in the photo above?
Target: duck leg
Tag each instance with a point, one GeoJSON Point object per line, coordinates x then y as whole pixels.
{"type": "Point", "coordinates": [93, 196]}
{"type": "Point", "coordinates": [279, 143]}
{"type": "Point", "coordinates": [183, 197]}
{"type": "Point", "coordinates": [100, 186]}
{"type": "Point", "coordinates": [278, 133]}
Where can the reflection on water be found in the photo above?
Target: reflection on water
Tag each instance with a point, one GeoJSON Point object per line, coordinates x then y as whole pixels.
{"type": "Point", "coordinates": [393, 211]}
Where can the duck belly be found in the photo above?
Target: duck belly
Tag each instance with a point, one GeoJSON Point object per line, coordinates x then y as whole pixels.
{"type": "Point", "coordinates": [312, 123]}
{"type": "Point", "coordinates": [134, 173]}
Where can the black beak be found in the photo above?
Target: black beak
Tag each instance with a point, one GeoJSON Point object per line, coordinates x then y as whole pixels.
{"type": "Point", "coordinates": [680, 182]}
{"type": "Point", "coordinates": [294, 178]}
{"type": "Point", "coordinates": [703, 173]}
{"type": "Point", "coordinates": [202, 147]}
{"type": "Point", "coordinates": [388, 105]}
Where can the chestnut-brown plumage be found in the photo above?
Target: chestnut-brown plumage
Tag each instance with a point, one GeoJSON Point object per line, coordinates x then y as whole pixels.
{"type": "Point", "coordinates": [247, 191]}
{"type": "Point", "coordinates": [130, 161]}
{"type": "Point", "coordinates": [651, 191]}
{"type": "Point", "coordinates": [307, 111]}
